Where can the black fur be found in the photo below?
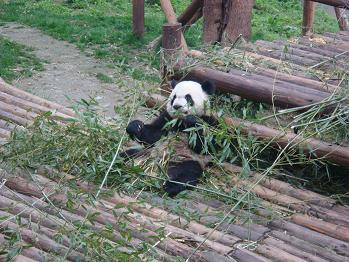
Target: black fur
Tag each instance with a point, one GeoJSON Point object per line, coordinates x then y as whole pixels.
{"type": "Point", "coordinates": [186, 172]}
{"type": "Point", "coordinates": [208, 87]}
{"type": "Point", "coordinates": [148, 134]}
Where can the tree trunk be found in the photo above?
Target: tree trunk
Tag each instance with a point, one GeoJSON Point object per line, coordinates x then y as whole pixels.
{"type": "Point", "coordinates": [212, 13]}
{"type": "Point", "coordinates": [239, 17]}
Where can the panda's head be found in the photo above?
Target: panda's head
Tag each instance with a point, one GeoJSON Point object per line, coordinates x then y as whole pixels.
{"type": "Point", "coordinates": [189, 98]}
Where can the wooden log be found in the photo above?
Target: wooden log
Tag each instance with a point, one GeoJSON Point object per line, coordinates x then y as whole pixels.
{"type": "Point", "coordinates": [280, 55]}
{"type": "Point", "coordinates": [8, 89]}
{"type": "Point", "coordinates": [329, 229]}
{"type": "Point", "coordinates": [342, 19]}
{"type": "Point", "coordinates": [286, 49]}
{"type": "Point", "coordinates": [340, 37]}
{"type": "Point", "coordinates": [335, 3]}
{"type": "Point", "coordinates": [213, 16]}
{"type": "Point", "coordinates": [29, 106]}
{"type": "Point", "coordinates": [312, 48]}
{"type": "Point", "coordinates": [42, 242]}
{"type": "Point", "coordinates": [296, 80]}
{"type": "Point", "coordinates": [105, 218]}
{"type": "Point", "coordinates": [308, 16]}
{"type": "Point", "coordinates": [171, 18]}
{"type": "Point", "coordinates": [190, 12]}
{"type": "Point", "coordinates": [6, 125]}
{"type": "Point", "coordinates": [310, 248]}
{"type": "Point", "coordinates": [292, 250]}
{"type": "Point", "coordinates": [239, 21]}
{"type": "Point", "coordinates": [272, 81]}
{"type": "Point", "coordinates": [244, 255]}
{"type": "Point", "coordinates": [13, 118]}
{"type": "Point", "coordinates": [4, 133]}
{"type": "Point", "coordinates": [285, 188]}
{"type": "Point", "coordinates": [313, 147]}
{"type": "Point", "coordinates": [17, 111]}
{"type": "Point", "coordinates": [276, 254]}
{"type": "Point", "coordinates": [340, 247]}
{"type": "Point", "coordinates": [257, 91]}
{"type": "Point", "coordinates": [138, 17]}
{"type": "Point", "coordinates": [329, 215]}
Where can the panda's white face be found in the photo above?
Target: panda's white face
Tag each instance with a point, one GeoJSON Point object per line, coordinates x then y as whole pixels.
{"type": "Point", "coordinates": [187, 98]}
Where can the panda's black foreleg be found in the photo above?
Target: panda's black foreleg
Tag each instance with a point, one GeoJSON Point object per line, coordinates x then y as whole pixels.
{"type": "Point", "coordinates": [191, 121]}
{"type": "Point", "coordinates": [148, 133]}
{"type": "Point", "coordinates": [182, 174]}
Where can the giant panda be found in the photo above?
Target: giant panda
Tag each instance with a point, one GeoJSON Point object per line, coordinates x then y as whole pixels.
{"type": "Point", "coordinates": [187, 106]}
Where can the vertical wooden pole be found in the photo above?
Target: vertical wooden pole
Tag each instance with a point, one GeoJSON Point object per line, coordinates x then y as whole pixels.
{"type": "Point", "coordinates": [308, 16]}
{"type": "Point", "coordinates": [213, 15]}
{"type": "Point", "coordinates": [342, 19]}
{"type": "Point", "coordinates": [239, 20]}
{"type": "Point", "coordinates": [171, 18]}
{"type": "Point", "coordinates": [138, 17]}
{"type": "Point", "coordinates": [171, 51]}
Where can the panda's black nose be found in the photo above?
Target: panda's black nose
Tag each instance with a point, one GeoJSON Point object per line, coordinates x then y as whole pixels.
{"type": "Point", "coordinates": [177, 107]}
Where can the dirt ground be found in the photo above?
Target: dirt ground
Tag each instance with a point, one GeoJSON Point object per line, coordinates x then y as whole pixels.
{"type": "Point", "coordinates": [69, 74]}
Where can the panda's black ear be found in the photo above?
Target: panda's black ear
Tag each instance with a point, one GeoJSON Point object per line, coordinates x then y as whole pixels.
{"type": "Point", "coordinates": [173, 83]}
{"type": "Point", "coordinates": [209, 87]}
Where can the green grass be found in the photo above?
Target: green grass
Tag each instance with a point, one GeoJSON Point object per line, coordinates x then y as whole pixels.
{"type": "Point", "coordinates": [106, 26]}
{"type": "Point", "coordinates": [16, 61]}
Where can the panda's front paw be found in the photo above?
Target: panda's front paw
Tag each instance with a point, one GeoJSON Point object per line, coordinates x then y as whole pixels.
{"type": "Point", "coordinates": [190, 121]}
{"type": "Point", "coordinates": [134, 129]}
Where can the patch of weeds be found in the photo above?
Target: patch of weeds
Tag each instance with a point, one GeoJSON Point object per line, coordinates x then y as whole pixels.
{"type": "Point", "coordinates": [17, 61]}
{"type": "Point", "coordinates": [104, 78]}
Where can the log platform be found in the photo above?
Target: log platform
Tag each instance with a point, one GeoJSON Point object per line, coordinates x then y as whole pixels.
{"type": "Point", "coordinates": [290, 73]}
{"type": "Point", "coordinates": [288, 223]}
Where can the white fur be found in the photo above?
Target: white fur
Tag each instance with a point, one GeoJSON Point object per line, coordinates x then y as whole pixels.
{"type": "Point", "coordinates": [199, 97]}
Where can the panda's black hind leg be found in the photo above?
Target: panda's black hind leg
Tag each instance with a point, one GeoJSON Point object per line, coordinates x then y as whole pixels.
{"type": "Point", "coordinates": [186, 172]}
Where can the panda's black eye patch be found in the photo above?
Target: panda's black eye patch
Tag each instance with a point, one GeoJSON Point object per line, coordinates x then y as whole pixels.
{"type": "Point", "coordinates": [173, 99]}
{"type": "Point", "coordinates": [190, 100]}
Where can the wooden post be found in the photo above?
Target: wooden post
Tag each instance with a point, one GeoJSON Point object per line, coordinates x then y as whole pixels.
{"type": "Point", "coordinates": [308, 16]}
{"type": "Point", "coordinates": [171, 18]}
{"type": "Point", "coordinates": [138, 17]}
{"type": "Point", "coordinates": [171, 51]}
{"type": "Point", "coordinates": [190, 12]}
{"type": "Point", "coordinates": [342, 19]}
{"type": "Point", "coordinates": [239, 20]}
{"type": "Point", "coordinates": [212, 13]}
{"type": "Point", "coordinates": [335, 3]}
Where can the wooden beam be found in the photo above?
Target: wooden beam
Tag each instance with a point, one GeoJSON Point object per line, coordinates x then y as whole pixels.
{"type": "Point", "coordinates": [342, 19]}
{"type": "Point", "coordinates": [256, 90]}
{"type": "Point", "coordinates": [335, 3]}
{"type": "Point", "coordinates": [138, 17]}
{"type": "Point", "coordinates": [308, 16]}
{"type": "Point", "coordinates": [190, 11]}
